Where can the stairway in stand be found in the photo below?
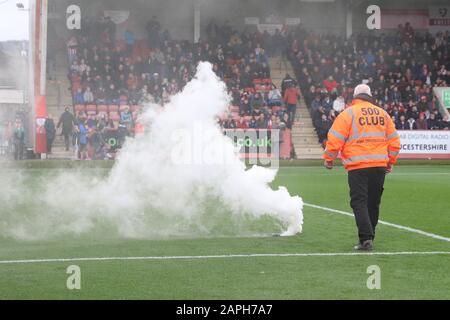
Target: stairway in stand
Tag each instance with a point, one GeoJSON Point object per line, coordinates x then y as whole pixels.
{"type": "Point", "coordinates": [58, 97]}
{"type": "Point", "coordinates": [278, 69]}
{"type": "Point", "coordinates": [304, 137]}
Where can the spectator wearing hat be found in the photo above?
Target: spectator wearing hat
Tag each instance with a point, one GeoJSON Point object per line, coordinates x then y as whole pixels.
{"type": "Point", "coordinates": [422, 105]}
{"type": "Point", "coordinates": [422, 122]}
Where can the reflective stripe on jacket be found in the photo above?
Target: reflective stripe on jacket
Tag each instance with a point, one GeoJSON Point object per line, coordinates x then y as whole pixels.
{"type": "Point", "coordinates": [365, 136]}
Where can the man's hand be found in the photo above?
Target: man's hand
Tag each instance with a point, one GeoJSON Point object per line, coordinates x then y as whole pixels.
{"type": "Point", "coordinates": [328, 164]}
{"type": "Point", "coordinates": [389, 168]}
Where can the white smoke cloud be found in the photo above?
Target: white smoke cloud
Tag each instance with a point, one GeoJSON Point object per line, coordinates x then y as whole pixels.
{"type": "Point", "coordinates": [150, 192]}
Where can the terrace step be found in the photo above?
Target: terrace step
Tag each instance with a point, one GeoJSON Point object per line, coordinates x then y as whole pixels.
{"type": "Point", "coordinates": [58, 97]}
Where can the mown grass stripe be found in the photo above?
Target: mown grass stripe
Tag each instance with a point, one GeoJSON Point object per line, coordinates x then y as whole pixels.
{"type": "Point", "coordinates": [226, 256]}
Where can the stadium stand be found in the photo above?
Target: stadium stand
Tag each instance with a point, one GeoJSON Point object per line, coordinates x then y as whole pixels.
{"type": "Point", "coordinates": [112, 78]}
{"type": "Point", "coordinates": [401, 69]}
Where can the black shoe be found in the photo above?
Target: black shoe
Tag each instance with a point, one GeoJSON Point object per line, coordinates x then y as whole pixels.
{"type": "Point", "coordinates": [364, 246]}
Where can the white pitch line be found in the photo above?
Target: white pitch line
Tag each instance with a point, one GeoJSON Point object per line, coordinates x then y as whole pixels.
{"type": "Point", "coordinates": [419, 173]}
{"type": "Point", "coordinates": [226, 256]}
{"type": "Point", "coordinates": [424, 233]}
{"type": "Point", "coordinates": [395, 174]}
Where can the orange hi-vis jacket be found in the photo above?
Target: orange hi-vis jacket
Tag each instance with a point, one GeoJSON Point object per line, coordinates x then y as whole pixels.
{"type": "Point", "coordinates": [365, 136]}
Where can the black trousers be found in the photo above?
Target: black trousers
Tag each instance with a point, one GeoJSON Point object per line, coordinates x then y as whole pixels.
{"type": "Point", "coordinates": [18, 150]}
{"type": "Point", "coordinates": [291, 108]}
{"type": "Point", "coordinates": [366, 188]}
{"type": "Point", "coordinates": [66, 139]}
{"type": "Point", "coordinates": [49, 145]}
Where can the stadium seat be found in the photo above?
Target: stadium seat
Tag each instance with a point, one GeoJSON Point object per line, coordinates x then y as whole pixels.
{"type": "Point", "coordinates": [262, 88]}
{"type": "Point", "coordinates": [80, 107]}
{"type": "Point", "coordinates": [234, 108]}
{"type": "Point", "coordinates": [113, 108]}
{"type": "Point", "coordinates": [102, 108]}
{"type": "Point", "coordinates": [91, 108]}
{"type": "Point", "coordinates": [135, 108]}
{"type": "Point", "coordinates": [123, 107]}
{"type": "Point", "coordinates": [102, 113]}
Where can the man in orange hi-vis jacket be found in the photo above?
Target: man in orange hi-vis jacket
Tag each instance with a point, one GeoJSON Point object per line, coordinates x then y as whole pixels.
{"type": "Point", "coordinates": [368, 143]}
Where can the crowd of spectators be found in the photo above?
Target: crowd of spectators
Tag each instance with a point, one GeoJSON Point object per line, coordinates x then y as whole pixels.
{"type": "Point", "coordinates": [111, 78]}
{"type": "Point", "coordinates": [401, 68]}
{"type": "Point", "coordinates": [12, 139]}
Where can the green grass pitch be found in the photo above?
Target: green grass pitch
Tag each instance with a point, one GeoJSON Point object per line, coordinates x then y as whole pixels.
{"type": "Point", "coordinates": [414, 196]}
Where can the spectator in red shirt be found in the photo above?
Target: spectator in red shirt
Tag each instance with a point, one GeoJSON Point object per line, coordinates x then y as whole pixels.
{"type": "Point", "coordinates": [131, 81]}
{"type": "Point", "coordinates": [422, 122]}
{"type": "Point", "coordinates": [242, 124]}
{"type": "Point", "coordinates": [291, 96]}
{"type": "Point", "coordinates": [330, 84]}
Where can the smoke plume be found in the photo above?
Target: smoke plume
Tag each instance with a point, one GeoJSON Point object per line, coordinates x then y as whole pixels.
{"type": "Point", "coordinates": [181, 178]}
